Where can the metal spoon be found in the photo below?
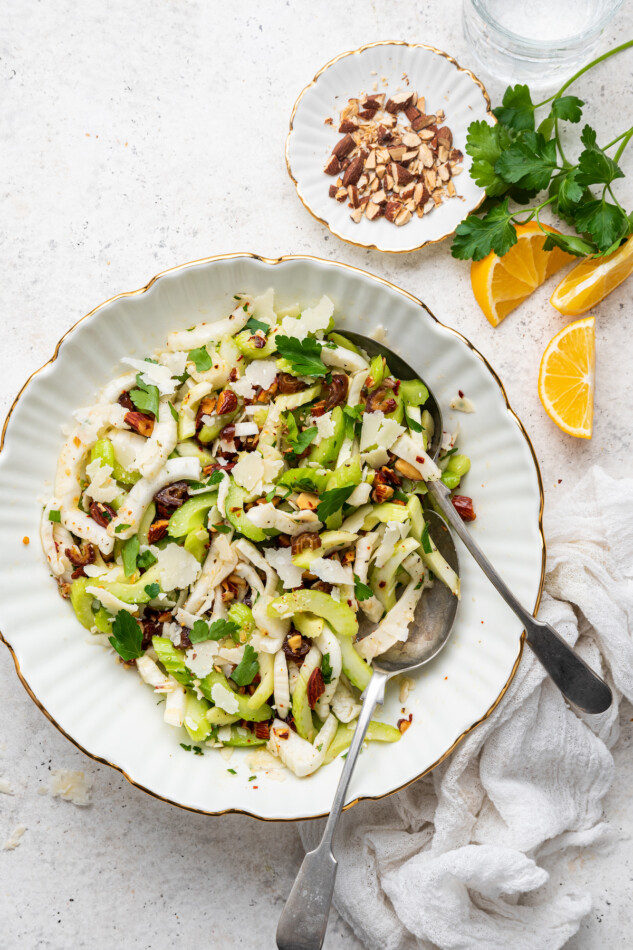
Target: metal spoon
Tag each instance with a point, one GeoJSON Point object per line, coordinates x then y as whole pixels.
{"type": "Point", "coordinates": [574, 678]}
{"type": "Point", "coordinates": [304, 919]}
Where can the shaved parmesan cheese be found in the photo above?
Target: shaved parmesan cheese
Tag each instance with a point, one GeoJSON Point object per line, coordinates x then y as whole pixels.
{"type": "Point", "coordinates": [102, 570]}
{"type": "Point", "coordinates": [311, 320]}
{"type": "Point", "coordinates": [449, 439]}
{"type": "Point", "coordinates": [110, 602]}
{"type": "Point", "coordinates": [325, 426]}
{"type": "Point", "coordinates": [411, 452]}
{"type": "Point", "coordinates": [378, 431]}
{"type": "Point", "coordinates": [331, 571]}
{"type": "Point", "coordinates": [176, 567]}
{"type": "Point", "coordinates": [224, 698]}
{"type": "Point", "coordinates": [202, 658]}
{"type": "Point", "coordinates": [378, 333]}
{"type": "Point", "coordinates": [376, 458]}
{"type": "Point", "coordinates": [127, 446]}
{"type": "Point", "coordinates": [153, 374]}
{"type": "Point", "coordinates": [70, 786]}
{"type": "Point", "coordinates": [462, 404]}
{"type": "Point", "coordinates": [14, 841]}
{"type": "Point", "coordinates": [360, 495]}
{"type": "Point", "coordinates": [258, 373]}
{"type": "Point", "coordinates": [102, 486]}
{"type": "Point", "coordinates": [245, 429]}
{"type": "Point", "coordinates": [280, 561]}
{"type": "Point", "coordinates": [249, 471]}
{"type": "Point", "coordinates": [262, 306]}
{"type": "Point", "coordinates": [175, 362]}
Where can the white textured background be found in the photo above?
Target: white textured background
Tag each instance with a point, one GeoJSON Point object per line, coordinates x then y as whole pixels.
{"type": "Point", "coordinates": [139, 135]}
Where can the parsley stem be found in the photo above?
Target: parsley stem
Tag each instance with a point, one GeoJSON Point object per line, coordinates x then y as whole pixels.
{"type": "Point", "coordinates": [559, 144]}
{"type": "Point", "coordinates": [532, 211]}
{"type": "Point", "coordinates": [594, 62]}
{"type": "Point", "coordinates": [623, 144]}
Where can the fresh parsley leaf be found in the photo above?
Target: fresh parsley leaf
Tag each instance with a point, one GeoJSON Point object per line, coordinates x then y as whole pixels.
{"type": "Point", "coordinates": [568, 192]}
{"type": "Point", "coordinates": [570, 243]}
{"type": "Point", "coordinates": [196, 486]}
{"type": "Point", "coordinates": [485, 144]}
{"type": "Point", "coordinates": [127, 636]}
{"type": "Point", "coordinates": [326, 669]}
{"type": "Point", "coordinates": [197, 750]}
{"type": "Point", "coordinates": [567, 108]}
{"type": "Point", "coordinates": [361, 591]}
{"type": "Point", "coordinates": [332, 500]}
{"type": "Point", "coordinates": [254, 325]}
{"type": "Point", "coordinates": [425, 541]}
{"type": "Point", "coordinates": [271, 494]}
{"type": "Point", "coordinates": [304, 439]}
{"type": "Point", "coordinates": [232, 771]}
{"type": "Point", "coordinates": [252, 778]}
{"type": "Point", "coordinates": [130, 554]}
{"type": "Point", "coordinates": [589, 137]}
{"type": "Point", "coordinates": [248, 667]}
{"type": "Point", "coordinates": [173, 412]}
{"type": "Point", "coordinates": [303, 355]}
{"type": "Point", "coordinates": [215, 478]}
{"type": "Point", "coordinates": [476, 237]}
{"type": "Point", "coordinates": [216, 631]}
{"type": "Point", "coordinates": [529, 163]}
{"type": "Point", "coordinates": [401, 496]}
{"type": "Point", "coordinates": [201, 358]}
{"type": "Point", "coordinates": [187, 748]}
{"type": "Point", "coordinates": [413, 424]}
{"type": "Point", "coordinates": [298, 441]}
{"type": "Point", "coordinates": [354, 412]}
{"type": "Point", "coordinates": [606, 223]}
{"type": "Point", "coordinates": [55, 515]}
{"type": "Point", "coordinates": [596, 168]}
{"type": "Point", "coordinates": [222, 528]}
{"type": "Point", "coordinates": [152, 590]}
{"type": "Point", "coordinates": [145, 560]}
{"type": "Point", "coordinates": [517, 111]}
{"type": "Point", "coordinates": [120, 527]}
{"type": "Point", "coordinates": [145, 397]}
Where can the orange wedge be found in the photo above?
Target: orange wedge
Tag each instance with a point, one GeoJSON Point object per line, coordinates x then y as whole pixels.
{"type": "Point", "coordinates": [590, 281]}
{"type": "Point", "coordinates": [566, 378]}
{"type": "Point", "coordinates": [501, 283]}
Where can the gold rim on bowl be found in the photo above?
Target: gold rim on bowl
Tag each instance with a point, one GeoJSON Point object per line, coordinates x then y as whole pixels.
{"type": "Point", "coordinates": [355, 52]}
{"type": "Point", "coordinates": [273, 261]}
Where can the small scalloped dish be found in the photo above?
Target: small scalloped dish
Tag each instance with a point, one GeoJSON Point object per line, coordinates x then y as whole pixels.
{"type": "Point", "coordinates": [105, 709]}
{"type": "Point", "coordinates": [390, 67]}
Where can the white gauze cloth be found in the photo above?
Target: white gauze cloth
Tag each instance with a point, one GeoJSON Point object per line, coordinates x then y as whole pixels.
{"type": "Point", "coordinates": [452, 862]}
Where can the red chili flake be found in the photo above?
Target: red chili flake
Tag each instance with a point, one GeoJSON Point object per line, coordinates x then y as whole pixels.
{"type": "Point", "coordinates": [460, 394]}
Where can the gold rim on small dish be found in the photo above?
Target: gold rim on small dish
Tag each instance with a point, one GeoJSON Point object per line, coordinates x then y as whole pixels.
{"type": "Point", "coordinates": [356, 52]}
{"type": "Point", "coordinates": [512, 414]}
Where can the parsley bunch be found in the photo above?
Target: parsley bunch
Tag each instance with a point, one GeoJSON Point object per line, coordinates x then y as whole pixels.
{"type": "Point", "coordinates": [516, 159]}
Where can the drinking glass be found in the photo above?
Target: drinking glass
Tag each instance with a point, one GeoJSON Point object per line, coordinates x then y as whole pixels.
{"type": "Point", "coordinates": [535, 41]}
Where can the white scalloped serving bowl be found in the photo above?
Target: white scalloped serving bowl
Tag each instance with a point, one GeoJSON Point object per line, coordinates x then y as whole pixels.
{"type": "Point", "coordinates": [433, 74]}
{"type": "Point", "coordinates": [106, 710]}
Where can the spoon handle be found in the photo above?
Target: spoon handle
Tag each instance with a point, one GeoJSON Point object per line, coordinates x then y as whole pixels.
{"type": "Point", "coordinates": [576, 681]}
{"type": "Point", "coordinates": [303, 921]}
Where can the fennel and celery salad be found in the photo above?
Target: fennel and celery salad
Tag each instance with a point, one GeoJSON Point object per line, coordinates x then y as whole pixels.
{"type": "Point", "coordinates": [230, 508]}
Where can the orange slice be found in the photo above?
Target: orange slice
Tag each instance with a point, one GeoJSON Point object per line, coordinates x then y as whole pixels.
{"type": "Point", "coordinates": [501, 283]}
{"type": "Point", "coordinates": [566, 378]}
{"type": "Point", "coordinates": [590, 281]}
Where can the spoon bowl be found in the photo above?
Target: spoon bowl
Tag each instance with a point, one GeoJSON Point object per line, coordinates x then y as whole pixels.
{"type": "Point", "coordinates": [434, 615]}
